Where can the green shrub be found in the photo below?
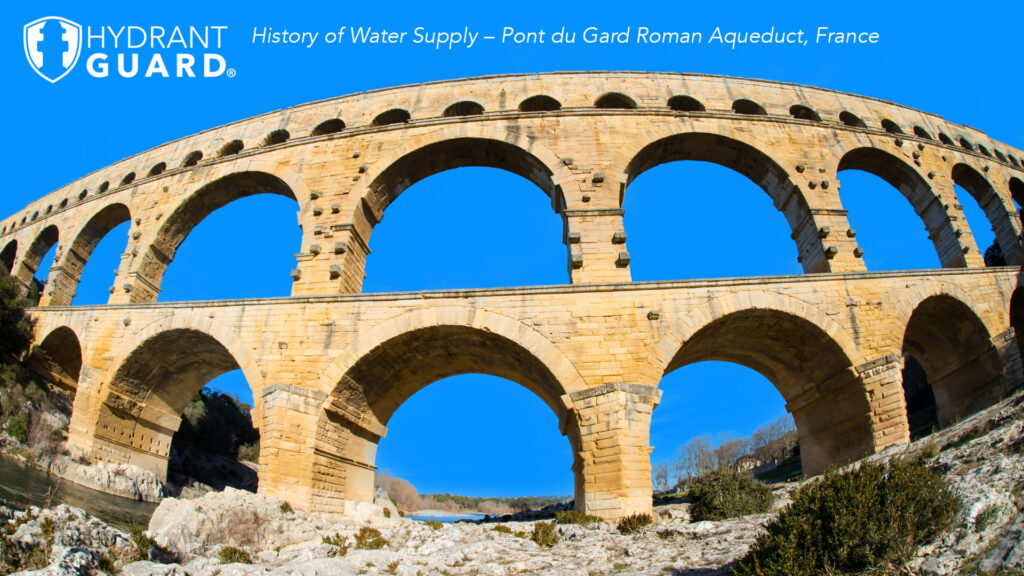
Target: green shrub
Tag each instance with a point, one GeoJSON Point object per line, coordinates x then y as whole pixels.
{"type": "Point", "coordinates": [544, 534]}
{"type": "Point", "coordinates": [502, 528]}
{"type": "Point", "coordinates": [868, 520]}
{"type": "Point", "coordinates": [232, 555]}
{"type": "Point", "coordinates": [634, 523]}
{"type": "Point", "coordinates": [340, 541]}
{"type": "Point", "coordinates": [575, 517]}
{"type": "Point", "coordinates": [434, 524]}
{"type": "Point", "coordinates": [985, 517]}
{"type": "Point", "coordinates": [392, 568]}
{"type": "Point", "coordinates": [286, 508]}
{"type": "Point", "coordinates": [17, 426]}
{"type": "Point", "coordinates": [142, 544]}
{"type": "Point", "coordinates": [370, 539]}
{"type": "Point", "coordinates": [387, 512]}
{"type": "Point", "coordinates": [726, 493]}
{"type": "Point", "coordinates": [15, 327]}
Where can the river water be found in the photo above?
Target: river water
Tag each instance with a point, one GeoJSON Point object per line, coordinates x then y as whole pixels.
{"type": "Point", "coordinates": [443, 517]}
{"type": "Point", "coordinates": [26, 485]}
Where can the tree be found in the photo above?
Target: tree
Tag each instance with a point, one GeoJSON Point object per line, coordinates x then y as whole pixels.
{"type": "Point", "coordinates": [660, 477]}
{"type": "Point", "coordinates": [994, 255]}
{"type": "Point", "coordinates": [15, 326]}
{"type": "Point", "coordinates": [695, 457]}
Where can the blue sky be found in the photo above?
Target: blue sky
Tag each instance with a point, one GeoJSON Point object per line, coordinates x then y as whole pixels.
{"type": "Point", "coordinates": [961, 64]}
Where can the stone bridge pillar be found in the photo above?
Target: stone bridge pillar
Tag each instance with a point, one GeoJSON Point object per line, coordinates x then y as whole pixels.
{"type": "Point", "coordinates": [612, 464]}
{"type": "Point", "coordinates": [596, 238]}
{"type": "Point", "coordinates": [883, 383]}
{"type": "Point", "coordinates": [948, 229]}
{"type": "Point", "coordinates": [287, 424]}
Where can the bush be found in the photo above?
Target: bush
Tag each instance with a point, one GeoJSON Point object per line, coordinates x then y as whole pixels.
{"type": "Point", "coordinates": [17, 426]}
{"type": "Point", "coordinates": [434, 524]}
{"type": "Point", "coordinates": [15, 327]}
{"type": "Point", "coordinates": [369, 539]}
{"type": "Point", "coordinates": [232, 555]}
{"type": "Point", "coordinates": [387, 512]}
{"type": "Point", "coordinates": [868, 520]}
{"type": "Point", "coordinates": [726, 493]}
{"type": "Point", "coordinates": [544, 534]}
{"type": "Point", "coordinates": [634, 523]}
{"type": "Point", "coordinates": [286, 508]}
{"type": "Point", "coordinates": [575, 517]}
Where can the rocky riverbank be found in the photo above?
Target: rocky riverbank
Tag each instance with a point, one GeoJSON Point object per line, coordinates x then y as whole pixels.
{"type": "Point", "coordinates": [235, 532]}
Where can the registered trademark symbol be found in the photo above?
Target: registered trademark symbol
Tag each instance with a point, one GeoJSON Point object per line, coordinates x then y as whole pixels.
{"type": "Point", "coordinates": [231, 72]}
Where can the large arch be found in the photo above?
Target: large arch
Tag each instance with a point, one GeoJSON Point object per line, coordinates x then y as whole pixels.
{"type": "Point", "coordinates": [1017, 319]}
{"type": "Point", "coordinates": [746, 160]}
{"type": "Point", "coordinates": [998, 216]}
{"type": "Point", "coordinates": [76, 257]}
{"type": "Point", "coordinates": [58, 358]}
{"type": "Point", "coordinates": [140, 409]}
{"type": "Point", "coordinates": [200, 204]}
{"type": "Point", "coordinates": [32, 257]}
{"type": "Point", "coordinates": [955, 350]}
{"type": "Point", "coordinates": [809, 367]}
{"type": "Point", "coordinates": [917, 191]}
{"type": "Point", "coordinates": [8, 256]}
{"type": "Point", "coordinates": [393, 361]}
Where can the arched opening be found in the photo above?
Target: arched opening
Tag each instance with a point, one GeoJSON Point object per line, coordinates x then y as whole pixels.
{"type": "Point", "coordinates": [922, 133]}
{"type": "Point", "coordinates": [393, 116]}
{"type": "Point", "coordinates": [747, 161]}
{"type": "Point", "coordinates": [80, 283]}
{"type": "Point", "coordinates": [891, 127]}
{"type": "Point", "coordinates": [192, 158]}
{"type": "Point", "coordinates": [1001, 156]}
{"type": "Point", "coordinates": [946, 139]}
{"type": "Point", "coordinates": [615, 100]}
{"type": "Point", "coordinates": [964, 143]}
{"type": "Point", "coordinates": [685, 104]}
{"type": "Point", "coordinates": [230, 149]}
{"type": "Point", "coordinates": [801, 112]}
{"type": "Point", "coordinates": [274, 137]}
{"type": "Point", "coordinates": [225, 258]}
{"type": "Point", "coordinates": [955, 352]}
{"type": "Point", "coordinates": [851, 119]}
{"type": "Point", "coordinates": [922, 413]}
{"type": "Point", "coordinates": [1017, 194]}
{"type": "Point", "coordinates": [886, 230]}
{"type": "Point", "coordinates": [37, 261]}
{"type": "Point", "coordinates": [331, 126]}
{"type": "Point", "coordinates": [371, 390]}
{"type": "Point", "coordinates": [128, 179]}
{"type": "Point", "coordinates": [748, 107]}
{"type": "Point", "coordinates": [463, 108]}
{"type": "Point", "coordinates": [58, 359]}
{"type": "Point", "coordinates": [1013, 160]}
{"type": "Point", "coordinates": [1017, 319]}
{"type": "Point", "coordinates": [986, 215]}
{"type": "Point", "coordinates": [480, 249]}
{"type": "Point", "coordinates": [142, 410]}
{"type": "Point", "coordinates": [983, 150]}
{"type": "Point", "coordinates": [8, 256]}
{"type": "Point", "coordinates": [809, 369]}
{"type": "Point", "coordinates": [716, 414]}
{"type": "Point", "coordinates": [540, 103]}
{"type": "Point", "coordinates": [157, 169]}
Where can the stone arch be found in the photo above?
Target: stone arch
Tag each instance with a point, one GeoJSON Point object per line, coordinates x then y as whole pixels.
{"type": "Point", "coordinates": [1016, 187]}
{"type": "Point", "coordinates": [954, 347]}
{"type": "Point", "coordinates": [540, 103]}
{"type": "Point", "coordinates": [749, 161]}
{"type": "Point", "coordinates": [139, 410]}
{"type": "Point", "coordinates": [58, 358]}
{"type": "Point", "coordinates": [999, 217]}
{"type": "Point", "coordinates": [1017, 318]}
{"type": "Point", "coordinates": [389, 363]}
{"type": "Point", "coordinates": [804, 354]}
{"type": "Point", "coordinates": [9, 256]}
{"type": "Point", "coordinates": [31, 258]}
{"type": "Point", "coordinates": [194, 208]}
{"type": "Point", "coordinates": [76, 257]}
{"type": "Point", "coordinates": [917, 191]}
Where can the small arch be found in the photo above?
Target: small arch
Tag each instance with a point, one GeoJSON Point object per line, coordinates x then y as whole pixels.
{"type": "Point", "coordinates": [49, 208]}
{"type": "Point", "coordinates": [540, 103]}
{"type": "Point", "coordinates": [1000, 155]}
{"type": "Point", "coordinates": [24, 219]}
{"type": "Point", "coordinates": [157, 169]}
{"type": "Point", "coordinates": [103, 187]}
{"type": "Point", "coordinates": [1013, 160]}
{"type": "Point", "coordinates": [946, 139]}
{"type": "Point", "coordinates": [35, 215]}
{"type": "Point", "coordinates": [279, 136]}
{"type": "Point", "coordinates": [682, 103]}
{"type": "Point", "coordinates": [58, 358]}
{"type": "Point", "coordinates": [82, 195]}
{"type": "Point", "coordinates": [851, 119]}
{"type": "Point", "coordinates": [615, 100]}
{"type": "Point", "coordinates": [922, 133]}
{"type": "Point", "coordinates": [891, 127]}
{"type": "Point", "coordinates": [966, 144]}
{"type": "Point", "coordinates": [748, 107]}
{"type": "Point", "coordinates": [801, 112]}
{"type": "Point", "coordinates": [8, 256]}
{"type": "Point", "coordinates": [192, 158]}
{"type": "Point", "coordinates": [463, 108]}
{"type": "Point", "coordinates": [63, 203]}
{"type": "Point", "coordinates": [393, 116]}
{"type": "Point", "coordinates": [328, 127]}
{"type": "Point", "coordinates": [983, 150]}
{"type": "Point", "coordinates": [128, 179]}
{"type": "Point", "coordinates": [231, 148]}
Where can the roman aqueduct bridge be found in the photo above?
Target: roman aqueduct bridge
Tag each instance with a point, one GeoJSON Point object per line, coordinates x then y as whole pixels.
{"type": "Point", "coordinates": [329, 366]}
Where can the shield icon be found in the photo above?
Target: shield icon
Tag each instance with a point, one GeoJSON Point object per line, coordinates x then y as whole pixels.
{"type": "Point", "coordinates": [52, 46]}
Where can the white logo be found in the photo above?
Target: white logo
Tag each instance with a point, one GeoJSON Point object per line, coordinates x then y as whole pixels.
{"type": "Point", "coordinates": [52, 46]}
